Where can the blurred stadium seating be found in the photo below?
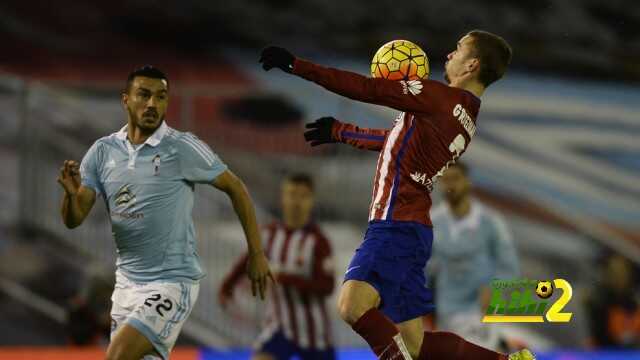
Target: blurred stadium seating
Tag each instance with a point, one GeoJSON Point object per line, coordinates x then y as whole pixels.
{"type": "Point", "coordinates": [556, 152]}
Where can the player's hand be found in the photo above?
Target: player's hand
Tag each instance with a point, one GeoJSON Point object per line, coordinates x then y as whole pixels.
{"type": "Point", "coordinates": [69, 177]}
{"type": "Point", "coordinates": [320, 132]}
{"type": "Point", "coordinates": [273, 56]}
{"type": "Point", "coordinates": [259, 273]}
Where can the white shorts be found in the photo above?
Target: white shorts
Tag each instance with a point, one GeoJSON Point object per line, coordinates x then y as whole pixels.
{"type": "Point", "coordinates": [157, 309]}
{"type": "Point", "coordinates": [469, 326]}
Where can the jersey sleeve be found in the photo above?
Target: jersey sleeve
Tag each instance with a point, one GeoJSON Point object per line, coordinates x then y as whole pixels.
{"type": "Point", "coordinates": [504, 251]}
{"type": "Point", "coordinates": [89, 166]}
{"type": "Point", "coordinates": [361, 138]}
{"type": "Point", "coordinates": [416, 96]}
{"type": "Point", "coordinates": [198, 163]}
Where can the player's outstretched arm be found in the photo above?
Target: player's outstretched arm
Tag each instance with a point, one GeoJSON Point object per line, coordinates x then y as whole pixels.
{"type": "Point", "coordinates": [330, 130]}
{"type": "Point", "coordinates": [420, 96]}
{"type": "Point", "coordinates": [78, 200]}
{"type": "Point", "coordinates": [257, 263]}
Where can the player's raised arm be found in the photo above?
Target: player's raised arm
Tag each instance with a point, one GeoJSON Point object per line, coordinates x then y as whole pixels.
{"type": "Point", "coordinates": [329, 130]}
{"type": "Point", "coordinates": [419, 96]}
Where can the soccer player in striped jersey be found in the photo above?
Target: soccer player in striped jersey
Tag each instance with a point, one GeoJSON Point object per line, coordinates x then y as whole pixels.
{"type": "Point", "coordinates": [384, 296]}
{"type": "Point", "coordinates": [300, 256]}
{"type": "Point", "coordinates": [146, 174]}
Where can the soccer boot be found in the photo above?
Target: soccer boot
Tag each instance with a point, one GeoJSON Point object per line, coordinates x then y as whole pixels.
{"type": "Point", "coordinates": [523, 354]}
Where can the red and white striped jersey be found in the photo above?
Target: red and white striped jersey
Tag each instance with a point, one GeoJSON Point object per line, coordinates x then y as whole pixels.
{"type": "Point", "coordinates": [302, 261]}
{"type": "Point", "coordinates": [435, 127]}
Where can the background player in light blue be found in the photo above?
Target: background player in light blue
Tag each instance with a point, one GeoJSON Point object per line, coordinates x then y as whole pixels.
{"type": "Point", "coordinates": [472, 246]}
{"type": "Point", "coordinates": [146, 174]}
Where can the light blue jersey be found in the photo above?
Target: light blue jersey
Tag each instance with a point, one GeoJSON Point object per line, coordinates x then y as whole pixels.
{"type": "Point", "coordinates": [467, 254]}
{"type": "Point", "coordinates": [149, 193]}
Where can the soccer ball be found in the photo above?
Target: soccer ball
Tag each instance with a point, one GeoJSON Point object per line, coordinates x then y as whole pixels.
{"type": "Point", "coordinates": [400, 60]}
{"type": "Point", "coordinates": [544, 289]}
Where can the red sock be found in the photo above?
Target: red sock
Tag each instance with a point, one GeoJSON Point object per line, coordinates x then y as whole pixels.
{"type": "Point", "coordinates": [382, 335]}
{"type": "Point", "coordinates": [445, 345]}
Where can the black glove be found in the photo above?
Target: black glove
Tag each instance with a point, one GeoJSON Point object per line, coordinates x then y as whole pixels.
{"type": "Point", "coordinates": [273, 56]}
{"type": "Point", "coordinates": [320, 132]}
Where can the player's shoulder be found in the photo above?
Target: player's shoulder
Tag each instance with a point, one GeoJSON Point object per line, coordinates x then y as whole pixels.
{"type": "Point", "coordinates": [322, 243]}
{"type": "Point", "coordinates": [185, 139]}
{"type": "Point", "coordinates": [315, 229]}
{"type": "Point", "coordinates": [490, 214]}
{"type": "Point", "coordinates": [105, 142]}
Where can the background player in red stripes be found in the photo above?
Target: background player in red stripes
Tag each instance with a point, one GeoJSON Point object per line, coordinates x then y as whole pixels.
{"type": "Point", "coordinates": [300, 256]}
{"type": "Point", "coordinates": [384, 293]}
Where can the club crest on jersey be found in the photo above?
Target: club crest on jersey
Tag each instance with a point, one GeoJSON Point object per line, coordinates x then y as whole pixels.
{"type": "Point", "coordinates": [156, 165]}
{"type": "Point", "coordinates": [411, 86]}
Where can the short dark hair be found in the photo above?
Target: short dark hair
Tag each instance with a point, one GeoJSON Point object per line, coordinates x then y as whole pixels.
{"type": "Point", "coordinates": [302, 179]}
{"type": "Point", "coordinates": [146, 71]}
{"type": "Point", "coordinates": [494, 54]}
{"type": "Point", "coordinates": [462, 166]}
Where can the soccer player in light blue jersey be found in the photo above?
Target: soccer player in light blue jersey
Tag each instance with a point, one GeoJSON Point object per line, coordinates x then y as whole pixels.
{"type": "Point", "coordinates": [146, 174]}
{"type": "Point", "coordinates": [472, 247]}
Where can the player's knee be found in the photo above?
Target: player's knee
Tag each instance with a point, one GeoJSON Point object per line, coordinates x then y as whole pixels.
{"type": "Point", "coordinates": [350, 311]}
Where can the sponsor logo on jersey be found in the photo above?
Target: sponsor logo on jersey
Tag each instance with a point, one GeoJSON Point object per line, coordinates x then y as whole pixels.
{"type": "Point", "coordinates": [422, 179]}
{"type": "Point", "coordinates": [411, 86]}
{"type": "Point", "coordinates": [126, 199]}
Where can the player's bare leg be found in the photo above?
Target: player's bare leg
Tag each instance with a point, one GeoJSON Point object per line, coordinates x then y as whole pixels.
{"type": "Point", "coordinates": [412, 332]}
{"type": "Point", "coordinates": [358, 306]}
{"type": "Point", "coordinates": [356, 298]}
{"type": "Point", "coordinates": [262, 356]}
{"type": "Point", "coordinates": [129, 344]}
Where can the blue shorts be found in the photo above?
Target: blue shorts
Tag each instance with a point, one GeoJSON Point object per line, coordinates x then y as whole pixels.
{"type": "Point", "coordinates": [392, 259]}
{"type": "Point", "coordinates": [281, 348]}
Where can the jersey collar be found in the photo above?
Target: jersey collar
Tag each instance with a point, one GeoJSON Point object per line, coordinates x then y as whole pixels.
{"type": "Point", "coordinates": [152, 140]}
